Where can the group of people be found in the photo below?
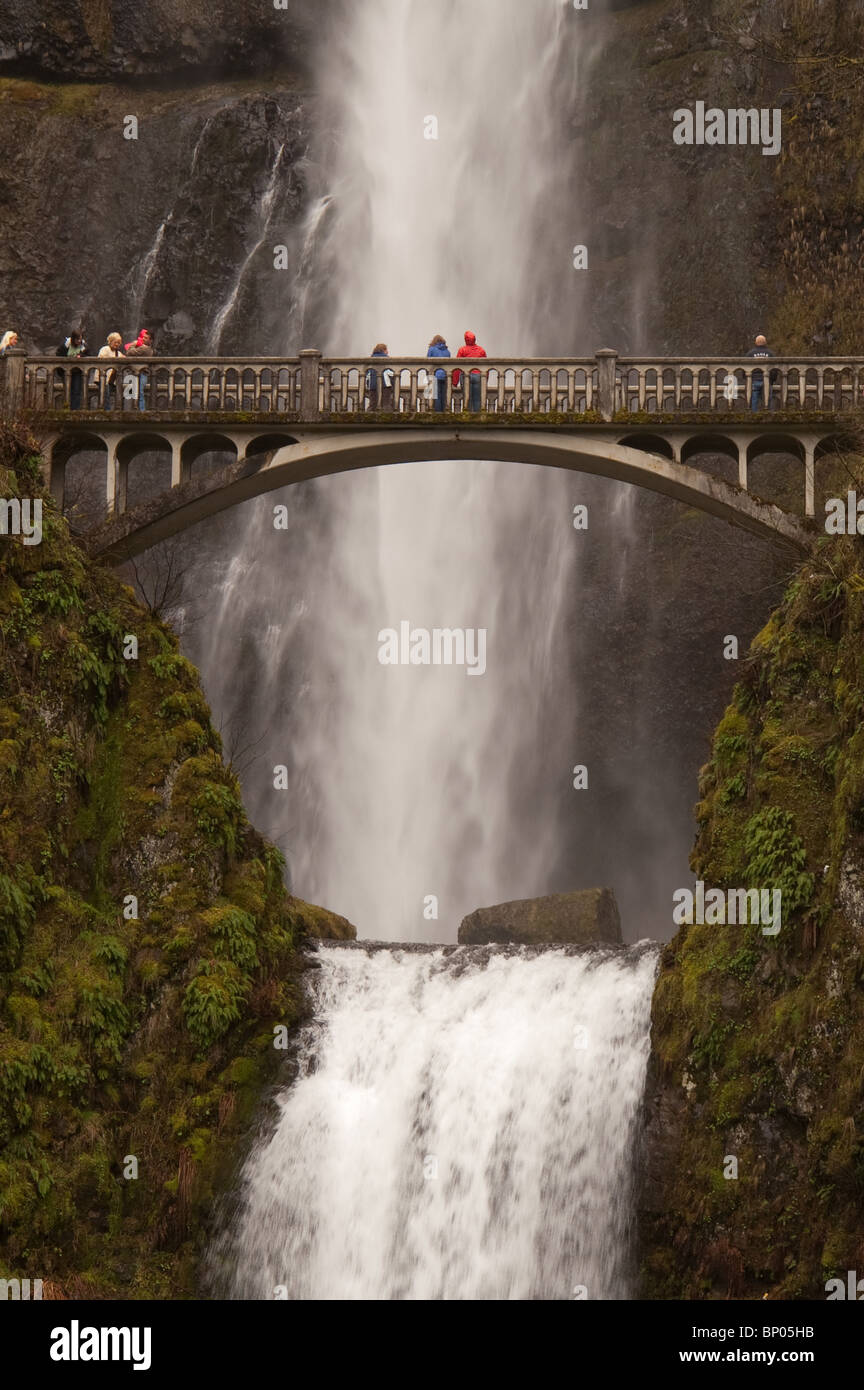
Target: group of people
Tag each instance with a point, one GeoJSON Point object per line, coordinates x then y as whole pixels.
{"type": "Point", "coordinates": [382, 394]}
{"type": "Point", "coordinates": [104, 381]}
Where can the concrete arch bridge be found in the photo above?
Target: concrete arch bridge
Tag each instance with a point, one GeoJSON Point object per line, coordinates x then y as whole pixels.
{"type": "Point", "coordinates": [281, 421]}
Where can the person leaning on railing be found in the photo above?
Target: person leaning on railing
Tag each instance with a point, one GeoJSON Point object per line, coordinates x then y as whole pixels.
{"type": "Point", "coordinates": [113, 348]}
{"type": "Point", "coordinates": [757, 380]}
{"type": "Point", "coordinates": [386, 397]}
{"type": "Point", "coordinates": [74, 346]}
{"type": "Point", "coordinates": [438, 348]}
{"type": "Point", "coordinates": [471, 349]}
{"type": "Point", "coordinates": [142, 347]}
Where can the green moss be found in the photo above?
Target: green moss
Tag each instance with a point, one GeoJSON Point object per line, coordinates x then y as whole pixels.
{"type": "Point", "coordinates": [148, 1031]}
{"type": "Point", "coordinates": [758, 1039]}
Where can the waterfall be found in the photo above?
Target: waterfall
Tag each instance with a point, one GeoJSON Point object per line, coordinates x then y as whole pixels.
{"type": "Point", "coordinates": [261, 219]}
{"type": "Point", "coordinates": [461, 1128]}
{"type": "Point", "coordinates": [414, 785]}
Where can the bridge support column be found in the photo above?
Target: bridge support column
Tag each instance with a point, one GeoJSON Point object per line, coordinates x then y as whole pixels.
{"type": "Point", "coordinates": [111, 472]}
{"type": "Point", "coordinates": [809, 478]}
{"type": "Point", "coordinates": [742, 466]}
{"type": "Point", "coordinates": [176, 462]}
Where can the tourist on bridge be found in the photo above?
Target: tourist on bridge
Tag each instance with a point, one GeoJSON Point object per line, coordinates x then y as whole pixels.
{"type": "Point", "coordinates": [74, 346]}
{"type": "Point", "coordinates": [142, 347]}
{"type": "Point", "coordinates": [113, 348]}
{"type": "Point", "coordinates": [757, 381]}
{"type": "Point", "coordinates": [9, 340]}
{"type": "Point", "coordinates": [438, 348]}
{"type": "Point", "coordinates": [471, 349]}
{"type": "Point", "coordinates": [386, 397]}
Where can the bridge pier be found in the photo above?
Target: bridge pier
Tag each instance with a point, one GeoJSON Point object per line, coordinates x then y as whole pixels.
{"type": "Point", "coordinates": [177, 442]}
{"type": "Point", "coordinates": [809, 477]}
{"type": "Point", "coordinates": [115, 476]}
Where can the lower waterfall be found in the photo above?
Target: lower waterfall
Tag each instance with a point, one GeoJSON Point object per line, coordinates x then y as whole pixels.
{"type": "Point", "coordinates": [460, 1127]}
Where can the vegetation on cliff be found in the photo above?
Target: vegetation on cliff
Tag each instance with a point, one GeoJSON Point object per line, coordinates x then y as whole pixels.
{"type": "Point", "coordinates": [133, 1048]}
{"type": "Point", "coordinates": [758, 1041]}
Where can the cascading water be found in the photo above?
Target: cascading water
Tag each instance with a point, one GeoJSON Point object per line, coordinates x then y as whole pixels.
{"type": "Point", "coordinates": [416, 783]}
{"type": "Point", "coordinates": [263, 213]}
{"type": "Point", "coordinates": [461, 1128]}
{"type": "Point", "coordinates": [462, 1122]}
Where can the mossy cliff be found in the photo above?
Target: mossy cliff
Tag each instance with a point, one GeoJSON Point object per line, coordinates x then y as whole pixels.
{"type": "Point", "coordinates": [758, 1040]}
{"type": "Point", "coordinates": [127, 1043]}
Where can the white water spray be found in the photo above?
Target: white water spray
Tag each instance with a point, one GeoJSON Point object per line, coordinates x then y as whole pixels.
{"type": "Point", "coordinates": [414, 786]}
{"type": "Point", "coordinates": [461, 1129]}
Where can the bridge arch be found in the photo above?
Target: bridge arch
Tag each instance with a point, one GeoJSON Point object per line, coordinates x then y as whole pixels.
{"type": "Point", "coordinates": [75, 486]}
{"type": "Point", "coordinates": [198, 446]}
{"type": "Point", "coordinates": [769, 478]}
{"type": "Point", "coordinates": [321, 454]}
{"type": "Point", "coordinates": [710, 444]}
{"type": "Point", "coordinates": [649, 444]}
{"type": "Point", "coordinates": [775, 443]}
{"type": "Point", "coordinates": [831, 478]}
{"type": "Point", "coordinates": [268, 444]}
{"type": "Point", "coordinates": [130, 450]}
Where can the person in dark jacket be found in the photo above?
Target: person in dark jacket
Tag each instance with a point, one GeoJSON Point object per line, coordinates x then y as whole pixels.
{"type": "Point", "coordinates": [74, 346]}
{"type": "Point", "coordinates": [757, 380]}
{"type": "Point", "coordinates": [472, 349]}
{"type": "Point", "coordinates": [142, 347]}
{"type": "Point", "coordinates": [386, 395]}
{"type": "Point", "coordinates": [439, 348]}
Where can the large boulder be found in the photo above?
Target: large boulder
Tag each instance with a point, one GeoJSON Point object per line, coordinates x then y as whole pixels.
{"type": "Point", "coordinates": [585, 917]}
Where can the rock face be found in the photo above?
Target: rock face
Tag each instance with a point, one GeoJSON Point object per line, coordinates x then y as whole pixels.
{"type": "Point", "coordinates": [113, 38]}
{"type": "Point", "coordinates": [585, 917]}
{"type": "Point", "coordinates": [148, 948]}
{"type": "Point", "coordinates": [752, 1150]}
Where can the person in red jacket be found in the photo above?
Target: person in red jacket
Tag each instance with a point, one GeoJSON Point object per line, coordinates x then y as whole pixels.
{"type": "Point", "coordinates": [471, 349]}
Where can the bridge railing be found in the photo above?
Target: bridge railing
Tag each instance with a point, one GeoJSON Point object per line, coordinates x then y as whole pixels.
{"type": "Point", "coordinates": [263, 386]}
{"type": "Point", "coordinates": [418, 386]}
{"type": "Point", "coordinates": [311, 387]}
{"type": "Point", "coordinates": [717, 384]}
